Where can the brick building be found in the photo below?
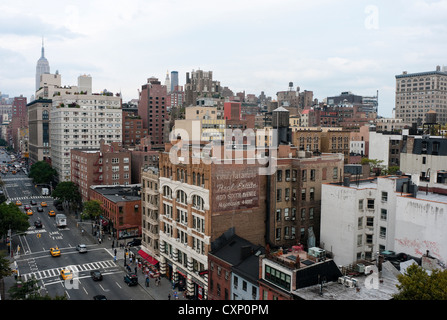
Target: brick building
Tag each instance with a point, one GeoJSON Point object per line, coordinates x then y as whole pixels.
{"type": "Point", "coordinates": [110, 165]}
{"type": "Point", "coordinates": [121, 206]}
{"type": "Point", "coordinates": [152, 108]}
{"type": "Point", "coordinates": [133, 130]}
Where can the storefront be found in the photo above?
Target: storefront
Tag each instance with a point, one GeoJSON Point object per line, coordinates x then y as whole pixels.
{"type": "Point", "coordinates": [149, 265]}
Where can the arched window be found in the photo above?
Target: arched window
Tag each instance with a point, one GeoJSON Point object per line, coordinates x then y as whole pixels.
{"type": "Point", "coordinates": [182, 197]}
{"type": "Point", "coordinates": [167, 192]}
{"type": "Point", "coordinates": [197, 202]}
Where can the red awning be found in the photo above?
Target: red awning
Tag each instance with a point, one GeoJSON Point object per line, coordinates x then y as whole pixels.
{"type": "Point", "coordinates": [148, 257]}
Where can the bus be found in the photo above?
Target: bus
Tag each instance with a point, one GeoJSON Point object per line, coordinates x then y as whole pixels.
{"type": "Point", "coordinates": [61, 220]}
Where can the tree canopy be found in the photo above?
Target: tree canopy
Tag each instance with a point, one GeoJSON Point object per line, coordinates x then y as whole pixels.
{"type": "Point", "coordinates": [42, 172]}
{"type": "Point", "coordinates": [11, 217]}
{"type": "Point", "coordinates": [92, 209]}
{"type": "Point", "coordinates": [417, 284]}
{"type": "Point", "coordinates": [66, 191]}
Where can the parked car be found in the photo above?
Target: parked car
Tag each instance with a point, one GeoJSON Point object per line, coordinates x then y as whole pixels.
{"type": "Point", "coordinates": [81, 248]}
{"type": "Point", "coordinates": [134, 242]}
{"type": "Point", "coordinates": [96, 275]}
{"type": "Point", "coordinates": [131, 279]}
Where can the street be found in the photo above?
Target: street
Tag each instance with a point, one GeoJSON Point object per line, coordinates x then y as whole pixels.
{"type": "Point", "coordinates": [31, 251]}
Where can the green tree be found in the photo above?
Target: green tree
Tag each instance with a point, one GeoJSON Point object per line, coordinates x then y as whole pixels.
{"type": "Point", "coordinates": [29, 290]}
{"type": "Point", "coordinates": [11, 217]}
{"type": "Point", "coordinates": [67, 191]}
{"type": "Point", "coordinates": [42, 172]}
{"type": "Point", "coordinates": [417, 284]}
{"type": "Point", "coordinates": [92, 209]}
{"type": "Point", "coordinates": [5, 271]}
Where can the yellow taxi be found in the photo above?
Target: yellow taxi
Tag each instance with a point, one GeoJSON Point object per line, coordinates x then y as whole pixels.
{"type": "Point", "coordinates": [29, 212]}
{"type": "Point", "coordinates": [43, 204]}
{"type": "Point", "coordinates": [51, 213]}
{"type": "Point", "coordinates": [18, 203]}
{"type": "Point", "coordinates": [66, 274]}
{"type": "Point", "coordinates": [55, 252]}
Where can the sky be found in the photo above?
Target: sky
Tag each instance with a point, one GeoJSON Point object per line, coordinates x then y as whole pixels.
{"type": "Point", "coordinates": [323, 46]}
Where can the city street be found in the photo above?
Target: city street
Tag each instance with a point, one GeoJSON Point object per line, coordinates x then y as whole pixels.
{"type": "Point", "coordinates": [31, 251]}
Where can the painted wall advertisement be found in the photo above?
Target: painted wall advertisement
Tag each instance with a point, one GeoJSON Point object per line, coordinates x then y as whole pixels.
{"type": "Point", "coordinates": [236, 187]}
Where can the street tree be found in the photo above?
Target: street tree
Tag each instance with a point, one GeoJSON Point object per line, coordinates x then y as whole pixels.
{"type": "Point", "coordinates": [29, 290]}
{"type": "Point", "coordinates": [417, 284]}
{"type": "Point", "coordinates": [42, 172]}
{"type": "Point", "coordinates": [92, 209]}
{"type": "Point", "coordinates": [11, 218]}
{"type": "Point", "coordinates": [67, 191]}
{"type": "Point", "coordinates": [5, 271]}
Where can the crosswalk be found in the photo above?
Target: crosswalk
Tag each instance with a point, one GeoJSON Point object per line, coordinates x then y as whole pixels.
{"type": "Point", "coordinates": [43, 198]}
{"type": "Point", "coordinates": [55, 272]}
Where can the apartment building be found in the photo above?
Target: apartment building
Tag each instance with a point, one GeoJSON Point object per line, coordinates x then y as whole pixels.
{"type": "Point", "coordinates": [421, 92]}
{"type": "Point", "coordinates": [150, 208]}
{"type": "Point", "coordinates": [385, 213]}
{"type": "Point", "coordinates": [133, 131]}
{"type": "Point", "coordinates": [121, 207]}
{"type": "Point", "coordinates": [199, 201]}
{"type": "Point", "coordinates": [152, 108]}
{"type": "Point", "coordinates": [110, 164]}
{"type": "Point", "coordinates": [39, 129]}
{"type": "Point", "coordinates": [425, 159]}
{"type": "Point", "coordinates": [81, 121]}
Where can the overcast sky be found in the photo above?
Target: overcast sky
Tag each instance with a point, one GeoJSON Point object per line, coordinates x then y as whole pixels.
{"type": "Point", "coordinates": [250, 45]}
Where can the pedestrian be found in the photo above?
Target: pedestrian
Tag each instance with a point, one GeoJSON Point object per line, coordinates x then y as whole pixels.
{"type": "Point", "coordinates": [135, 270]}
{"type": "Point", "coordinates": [130, 259]}
{"type": "Point", "coordinates": [147, 282]}
{"type": "Point", "coordinates": [169, 296]}
{"type": "Point", "coordinates": [115, 252]}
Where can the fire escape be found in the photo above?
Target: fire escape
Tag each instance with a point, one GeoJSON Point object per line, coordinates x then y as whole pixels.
{"type": "Point", "coordinates": [97, 171]}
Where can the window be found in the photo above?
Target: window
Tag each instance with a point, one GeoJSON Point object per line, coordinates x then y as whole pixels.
{"type": "Point", "coordinates": [359, 239]}
{"type": "Point", "coordinates": [361, 204]}
{"type": "Point", "coordinates": [384, 196]}
{"type": "Point", "coordinates": [335, 173]}
{"type": "Point", "coordinates": [312, 193]}
{"type": "Point", "coordinates": [383, 214]}
{"type": "Point", "coordinates": [360, 222]}
{"type": "Point", "coordinates": [278, 194]}
{"type": "Point", "coordinates": [312, 174]}
{"type": "Point", "coordinates": [382, 232]}
{"type": "Point", "coordinates": [371, 204]}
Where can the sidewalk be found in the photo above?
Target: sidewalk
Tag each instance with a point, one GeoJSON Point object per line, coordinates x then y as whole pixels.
{"type": "Point", "coordinates": [160, 292]}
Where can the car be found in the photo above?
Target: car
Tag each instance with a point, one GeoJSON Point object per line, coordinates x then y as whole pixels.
{"type": "Point", "coordinates": [134, 242]}
{"type": "Point", "coordinates": [99, 297]}
{"type": "Point", "coordinates": [38, 224]}
{"type": "Point", "coordinates": [39, 209]}
{"type": "Point", "coordinates": [131, 279]}
{"type": "Point", "coordinates": [51, 213]}
{"type": "Point", "coordinates": [27, 207]}
{"type": "Point", "coordinates": [66, 274]}
{"type": "Point", "coordinates": [33, 202]}
{"type": "Point", "coordinates": [55, 252]}
{"type": "Point", "coordinates": [96, 275]}
{"type": "Point", "coordinates": [29, 212]}
{"type": "Point", "coordinates": [18, 203]}
{"type": "Point", "coordinates": [81, 248]}
{"type": "Point", "coordinates": [43, 204]}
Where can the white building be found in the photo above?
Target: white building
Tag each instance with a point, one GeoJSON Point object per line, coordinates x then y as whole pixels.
{"type": "Point", "coordinates": [81, 121]}
{"type": "Point", "coordinates": [387, 213]}
{"type": "Point", "coordinates": [381, 147]}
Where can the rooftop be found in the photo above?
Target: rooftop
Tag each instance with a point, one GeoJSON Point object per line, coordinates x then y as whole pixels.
{"type": "Point", "coordinates": [368, 287]}
{"type": "Point", "coordinates": [119, 193]}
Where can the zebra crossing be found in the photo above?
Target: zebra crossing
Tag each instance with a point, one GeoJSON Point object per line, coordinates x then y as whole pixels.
{"type": "Point", "coordinates": [55, 272]}
{"type": "Point", "coordinates": [43, 198]}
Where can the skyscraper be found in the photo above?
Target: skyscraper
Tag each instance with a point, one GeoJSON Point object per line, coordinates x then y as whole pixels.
{"type": "Point", "coordinates": [174, 80]}
{"type": "Point", "coordinates": [42, 67]}
{"type": "Point", "coordinates": [152, 106]}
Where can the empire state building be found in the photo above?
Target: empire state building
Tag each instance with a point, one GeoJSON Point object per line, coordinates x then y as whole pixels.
{"type": "Point", "coordinates": [42, 67]}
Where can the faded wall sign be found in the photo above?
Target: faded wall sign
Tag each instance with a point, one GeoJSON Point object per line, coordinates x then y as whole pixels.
{"type": "Point", "coordinates": [235, 187]}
